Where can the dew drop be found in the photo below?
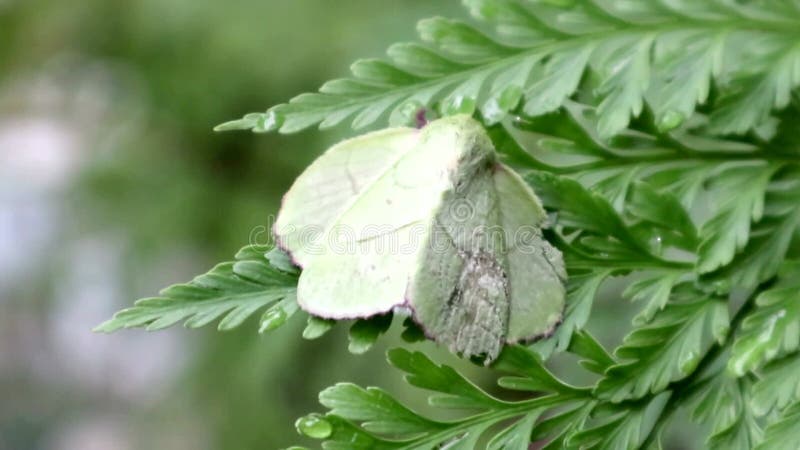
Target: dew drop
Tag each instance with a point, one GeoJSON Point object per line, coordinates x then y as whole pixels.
{"type": "Point", "coordinates": [688, 362]}
{"type": "Point", "coordinates": [492, 113]}
{"type": "Point", "coordinates": [656, 244]}
{"type": "Point", "coordinates": [509, 98]}
{"type": "Point", "coordinates": [670, 120]}
{"type": "Point", "coordinates": [314, 426]}
{"type": "Point", "coordinates": [722, 329]}
{"type": "Point", "coordinates": [270, 121]}
{"type": "Point", "coordinates": [272, 319]}
{"type": "Point", "coordinates": [498, 106]}
{"type": "Point", "coordinates": [458, 104]}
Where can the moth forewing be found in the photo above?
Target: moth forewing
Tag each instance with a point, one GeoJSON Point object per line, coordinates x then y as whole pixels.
{"type": "Point", "coordinates": [331, 185]}
{"type": "Point", "coordinates": [353, 220]}
{"type": "Point", "coordinates": [362, 281]}
{"type": "Point", "coordinates": [535, 269]}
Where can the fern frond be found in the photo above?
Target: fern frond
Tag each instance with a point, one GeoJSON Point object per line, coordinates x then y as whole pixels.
{"type": "Point", "coordinates": [769, 239]}
{"type": "Point", "coordinates": [772, 329]}
{"type": "Point", "coordinates": [783, 434]}
{"type": "Point", "coordinates": [723, 405]}
{"type": "Point", "coordinates": [605, 246]}
{"type": "Point", "coordinates": [668, 349]}
{"type": "Point", "coordinates": [779, 385]}
{"type": "Point", "coordinates": [654, 179]}
{"type": "Point", "coordinates": [662, 53]}
{"type": "Point", "coordinates": [373, 416]}
{"type": "Point", "coordinates": [621, 427]}
{"type": "Point", "coordinates": [232, 291]}
{"type": "Point", "coordinates": [729, 229]}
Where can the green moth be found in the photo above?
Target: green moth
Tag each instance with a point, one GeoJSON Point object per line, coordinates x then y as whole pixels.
{"type": "Point", "coordinates": [425, 219]}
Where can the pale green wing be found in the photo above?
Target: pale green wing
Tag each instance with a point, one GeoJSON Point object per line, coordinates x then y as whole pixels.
{"type": "Point", "coordinates": [357, 235]}
{"type": "Point", "coordinates": [360, 282]}
{"type": "Point", "coordinates": [330, 185]}
{"type": "Point", "coordinates": [535, 269]}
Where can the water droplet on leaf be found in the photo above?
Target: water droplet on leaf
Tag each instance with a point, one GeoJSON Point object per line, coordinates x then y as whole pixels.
{"type": "Point", "coordinates": [670, 120]}
{"type": "Point", "coordinates": [272, 319]}
{"type": "Point", "coordinates": [314, 426]}
{"type": "Point", "coordinates": [509, 98]}
{"type": "Point", "coordinates": [270, 121]}
{"type": "Point", "coordinates": [492, 113]}
{"type": "Point", "coordinates": [497, 107]}
{"type": "Point", "coordinates": [688, 362]}
{"type": "Point", "coordinates": [458, 105]}
{"type": "Point", "coordinates": [656, 244]}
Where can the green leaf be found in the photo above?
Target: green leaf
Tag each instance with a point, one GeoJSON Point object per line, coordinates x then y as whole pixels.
{"type": "Point", "coordinates": [559, 80]}
{"type": "Point", "coordinates": [461, 40]}
{"type": "Point", "coordinates": [751, 99]}
{"type": "Point", "coordinates": [769, 239]}
{"type": "Point", "coordinates": [772, 330]}
{"type": "Point", "coordinates": [597, 359]}
{"type": "Point", "coordinates": [739, 193]}
{"type": "Point", "coordinates": [542, 51]}
{"type": "Point", "coordinates": [277, 315]}
{"type": "Point", "coordinates": [232, 291]}
{"type": "Point", "coordinates": [625, 71]}
{"type": "Point", "coordinates": [783, 433]}
{"type": "Point", "coordinates": [566, 142]}
{"type": "Point", "coordinates": [534, 376]}
{"type": "Point", "coordinates": [581, 209]}
{"type": "Point", "coordinates": [515, 437]}
{"type": "Point", "coordinates": [371, 418]}
{"type": "Point", "coordinates": [661, 209]}
{"type": "Point", "coordinates": [723, 405]}
{"type": "Point", "coordinates": [575, 205]}
{"type": "Point", "coordinates": [778, 386]}
{"type": "Point", "coordinates": [365, 332]}
{"type": "Point", "coordinates": [558, 428]}
{"type": "Point", "coordinates": [621, 428]}
{"type": "Point", "coordinates": [687, 61]}
{"type": "Point", "coordinates": [667, 349]}
{"type": "Point", "coordinates": [317, 327]}
{"type": "Point", "coordinates": [468, 440]}
{"type": "Point", "coordinates": [252, 121]}
{"type": "Point", "coordinates": [654, 289]}
{"type": "Point", "coordinates": [375, 410]}
{"type": "Point", "coordinates": [453, 390]}
{"type": "Point", "coordinates": [340, 434]}
{"type": "Point", "coordinates": [281, 260]}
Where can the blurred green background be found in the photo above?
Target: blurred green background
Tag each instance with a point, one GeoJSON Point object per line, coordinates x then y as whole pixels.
{"type": "Point", "coordinates": [112, 185]}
